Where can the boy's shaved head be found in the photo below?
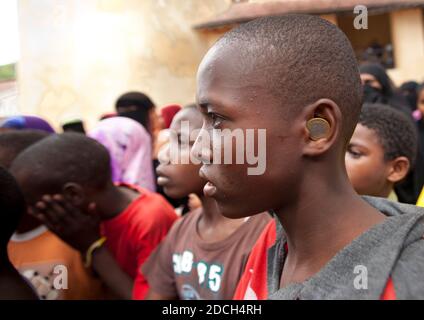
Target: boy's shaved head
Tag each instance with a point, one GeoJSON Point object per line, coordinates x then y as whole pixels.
{"type": "Point", "coordinates": [14, 142]}
{"type": "Point", "coordinates": [59, 159]}
{"type": "Point", "coordinates": [302, 58]}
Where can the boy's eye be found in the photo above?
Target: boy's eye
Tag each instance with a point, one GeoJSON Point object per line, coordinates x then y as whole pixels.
{"type": "Point", "coordinates": [354, 154]}
{"type": "Point", "coordinates": [184, 141]}
{"type": "Point", "coordinates": [216, 120]}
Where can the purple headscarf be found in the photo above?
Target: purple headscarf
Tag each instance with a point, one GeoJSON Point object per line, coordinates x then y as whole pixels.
{"type": "Point", "coordinates": [130, 149]}
{"type": "Point", "coordinates": [27, 122]}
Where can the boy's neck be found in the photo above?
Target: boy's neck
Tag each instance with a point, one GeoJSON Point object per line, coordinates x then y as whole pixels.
{"type": "Point", "coordinates": [213, 226]}
{"type": "Point", "coordinates": [114, 200]}
{"type": "Point", "coordinates": [389, 188]}
{"type": "Point", "coordinates": [322, 222]}
{"type": "Point", "coordinates": [210, 209]}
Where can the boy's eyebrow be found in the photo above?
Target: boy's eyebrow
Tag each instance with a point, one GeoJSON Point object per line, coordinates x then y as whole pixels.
{"type": "Point", "coordinates": [356, 144]}
{"type": "Point", "coordinates": [203, 104]}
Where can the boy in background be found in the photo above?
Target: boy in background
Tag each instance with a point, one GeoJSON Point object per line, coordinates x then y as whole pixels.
{"type": "Point", "coordinates": [381, 151]}
{"type": "Point", "coordinates": [67, 183]}
{"type": "Point", "coordinates": [204, 254]}
{"type": "Point", "coordinates": [35, 251]}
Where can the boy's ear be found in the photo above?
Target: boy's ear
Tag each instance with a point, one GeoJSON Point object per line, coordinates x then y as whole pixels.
{"type": "Point", "coordinates": [322, 121]}
{"type": "Point", "coordinates": [398, 169]}
{"type": "Point", "coordinates": [74, 193]}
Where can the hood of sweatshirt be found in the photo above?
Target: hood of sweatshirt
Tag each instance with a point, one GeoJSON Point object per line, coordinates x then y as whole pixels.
{"type": "Point", "coordinates": [393, 249]}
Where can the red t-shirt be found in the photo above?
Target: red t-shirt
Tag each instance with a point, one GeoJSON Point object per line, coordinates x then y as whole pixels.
{"type": "Point", "coordinates": [134, 234]}
{"type": "Point", "coordinates": [253, 282]}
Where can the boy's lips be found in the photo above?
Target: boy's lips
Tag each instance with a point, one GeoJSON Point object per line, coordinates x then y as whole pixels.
{"type": "Point", "coordinates": [162, 181]}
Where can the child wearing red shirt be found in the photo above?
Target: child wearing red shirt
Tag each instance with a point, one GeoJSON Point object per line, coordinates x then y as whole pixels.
{"type": "Point", "coordinates": [133, 234]}
{"type": "Point", "coordinates": [73, 194]}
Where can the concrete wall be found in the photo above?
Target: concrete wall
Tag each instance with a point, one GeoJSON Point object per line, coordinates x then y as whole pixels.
{"type": "Point", "coordinates": [408, 43]}
{"type": "Point", "coordinates": [78, 56]}
{"type": "Point", "coordinates": [8, 98]}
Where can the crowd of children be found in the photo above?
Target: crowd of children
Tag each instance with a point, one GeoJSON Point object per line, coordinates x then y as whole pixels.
{"type": "Point", "coordinates": [107, 214]}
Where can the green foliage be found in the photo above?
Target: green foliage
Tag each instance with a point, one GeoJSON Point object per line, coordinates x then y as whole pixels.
{"type": "Point", "coordinates": [7, 72]}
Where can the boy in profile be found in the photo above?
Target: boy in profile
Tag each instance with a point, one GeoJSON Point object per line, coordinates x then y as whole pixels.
{"type": "Point", "coordinates": [297, 77]}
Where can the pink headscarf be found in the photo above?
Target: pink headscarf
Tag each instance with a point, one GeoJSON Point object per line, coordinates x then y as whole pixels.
{"type": "Point", "coordinates": [130, 149]}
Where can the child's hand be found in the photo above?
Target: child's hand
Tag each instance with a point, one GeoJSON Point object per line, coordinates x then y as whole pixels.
{"type": "Point", "coordinates": [76, 228]}
{"type": "Point", "coordinates": [194, 202]}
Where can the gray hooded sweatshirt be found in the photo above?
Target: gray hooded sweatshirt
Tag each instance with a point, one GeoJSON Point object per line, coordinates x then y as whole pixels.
{"type": "Point", "coordinates": [392, 249]}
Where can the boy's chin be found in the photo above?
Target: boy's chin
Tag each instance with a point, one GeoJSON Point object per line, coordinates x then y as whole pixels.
{"type": "Point", "coordinates": [232, 211]}
{"type": "Point", "coordinates": [174, 194]}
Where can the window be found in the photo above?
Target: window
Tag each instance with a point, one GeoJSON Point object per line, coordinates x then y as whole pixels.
{"type": "Point", "coordinates": [372, 44]}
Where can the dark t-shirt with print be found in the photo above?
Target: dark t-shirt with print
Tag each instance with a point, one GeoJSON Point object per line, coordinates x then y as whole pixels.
{"type": "Point", "coordinates": [188, 267]}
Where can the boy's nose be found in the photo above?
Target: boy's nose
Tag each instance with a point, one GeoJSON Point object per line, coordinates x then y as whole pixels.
{"type": "Point", "coordinates": [163, 154]}
{"type": "Point", "coordinates": [201, 149]}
